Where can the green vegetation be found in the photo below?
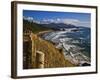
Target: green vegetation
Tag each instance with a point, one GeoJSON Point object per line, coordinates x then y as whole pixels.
{"type": "Point", "coordinates": [34, 27]}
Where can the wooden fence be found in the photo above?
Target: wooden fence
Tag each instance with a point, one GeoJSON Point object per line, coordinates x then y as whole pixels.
{"type": "Point", "coordinates": [32, 57]}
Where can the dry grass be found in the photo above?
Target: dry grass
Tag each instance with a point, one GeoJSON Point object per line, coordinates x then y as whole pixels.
{"type": "Point", "coordinates": [53, 57]}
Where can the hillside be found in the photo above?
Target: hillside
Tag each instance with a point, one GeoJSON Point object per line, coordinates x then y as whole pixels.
{"type": "Point", "coordinates": [53, 57]}
{"type": "Point", "coordinates": [34, 27]}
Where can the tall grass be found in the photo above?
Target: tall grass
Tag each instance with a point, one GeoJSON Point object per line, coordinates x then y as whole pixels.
{"type": "Point", "coordinates": [53, 57]}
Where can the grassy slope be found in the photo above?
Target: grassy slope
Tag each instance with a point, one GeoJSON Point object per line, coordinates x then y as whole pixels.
{"type": "Point", "coordinates": [53, 58]}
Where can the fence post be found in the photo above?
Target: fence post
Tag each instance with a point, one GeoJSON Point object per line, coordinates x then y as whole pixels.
{"type": "Point", "coordinates": [39, 59]}
{"type": "Point", "coordinates": [33, 50]}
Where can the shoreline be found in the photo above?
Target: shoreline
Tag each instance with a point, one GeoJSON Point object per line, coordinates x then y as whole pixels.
{"type": "Point", "coordinates": [74, 61]}
{"type": "Point", "coordinates": [43, 32]}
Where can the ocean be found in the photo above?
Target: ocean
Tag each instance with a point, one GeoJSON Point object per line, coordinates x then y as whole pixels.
{"type": "Point", "coordinates": [75, 43]}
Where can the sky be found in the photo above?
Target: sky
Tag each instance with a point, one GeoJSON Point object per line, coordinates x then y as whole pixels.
{"type": "Point", "coordinates": [78, 19]}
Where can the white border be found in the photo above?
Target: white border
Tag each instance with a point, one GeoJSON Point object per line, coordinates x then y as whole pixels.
{"type": "Point", "coordinates": [31, 72]}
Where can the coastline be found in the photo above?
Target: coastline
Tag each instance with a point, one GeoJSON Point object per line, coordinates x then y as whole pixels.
{"type": "Point", "coordinates": [75, 58]}
{"type": "Point", "coordinates": [43, 32]}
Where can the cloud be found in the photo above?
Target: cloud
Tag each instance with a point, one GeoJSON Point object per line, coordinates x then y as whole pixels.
{"type": "Point", "coordinates": [28, 18]}
{"type": "Point", "coordinates": [31, 19]}
{"type": "Point", "coordinates": [47, 21]}
{"type": "Point", "coordinates": [85, 23]}
{"type": "Point", "coordinates": [67, 21]}
{"type": "Point", "coordinates": [71, 21]}
{"type": "Point", "coordinates": [75, 22]}
{"type": "Point", "coordinates": [59, 20]}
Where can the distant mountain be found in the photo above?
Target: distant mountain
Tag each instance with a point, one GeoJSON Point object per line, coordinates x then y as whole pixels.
{"type": "Point", "coordinates": [59, 26]}
{"type": "Point", "coordinates": [36, 27]}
